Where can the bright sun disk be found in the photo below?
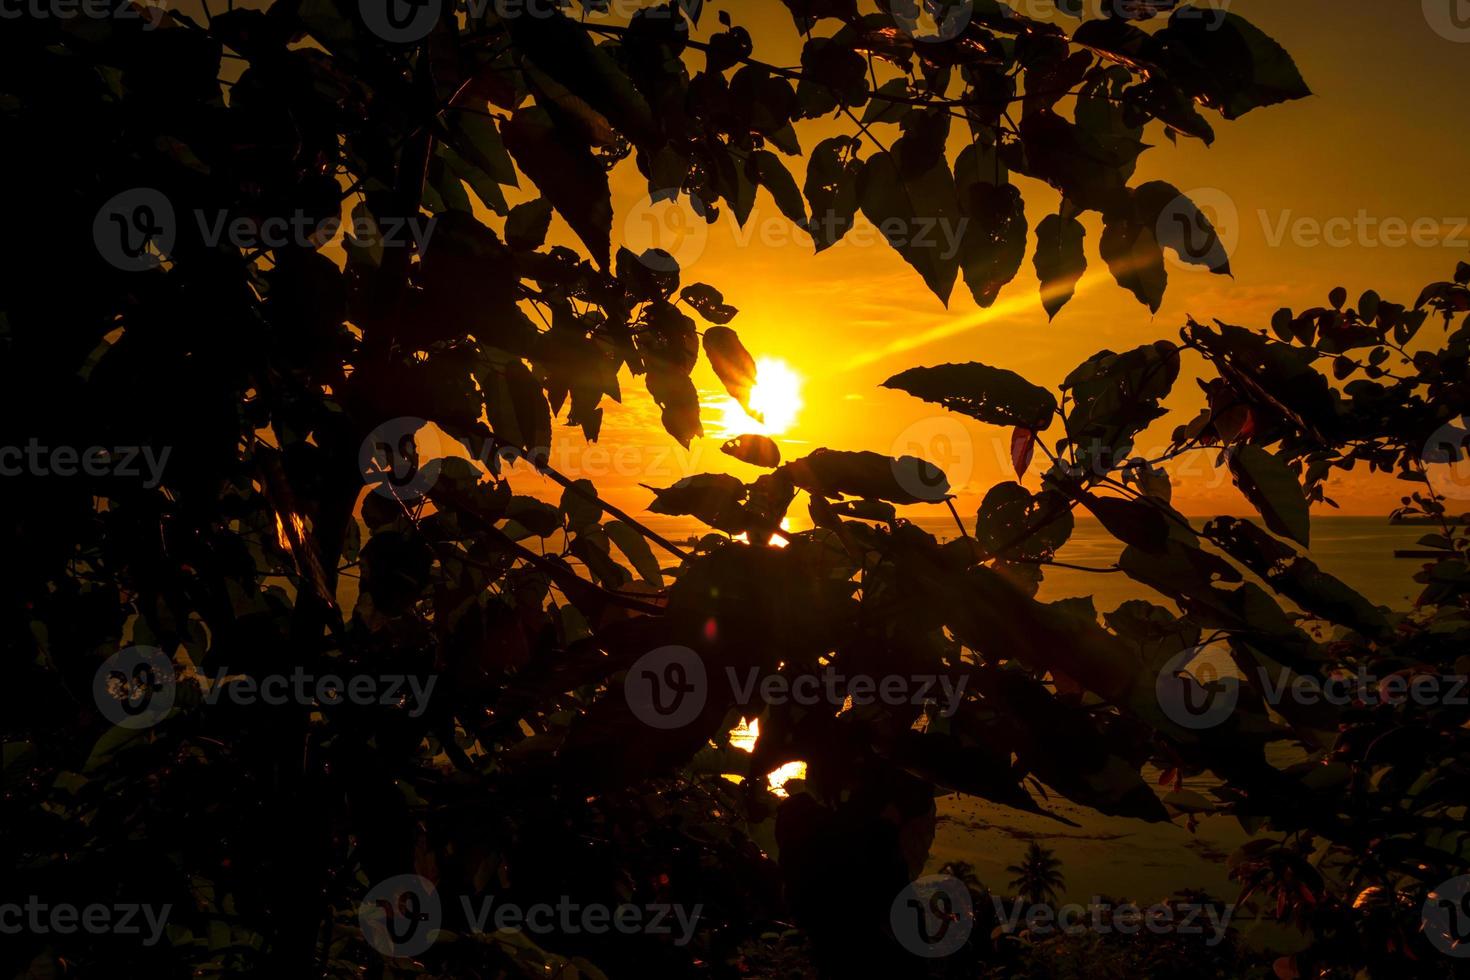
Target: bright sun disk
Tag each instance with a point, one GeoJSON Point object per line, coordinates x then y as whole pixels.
{"type": "Point", "coordinates": [776, 396]}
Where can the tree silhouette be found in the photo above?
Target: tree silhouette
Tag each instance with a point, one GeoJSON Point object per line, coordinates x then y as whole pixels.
{"type": "Point", "coordinates": [1038, 875]}
{"type": "Point", "coordinates": [169, 302]}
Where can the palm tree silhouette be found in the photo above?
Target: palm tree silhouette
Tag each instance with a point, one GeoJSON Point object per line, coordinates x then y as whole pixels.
{"type": "Point", "coordinates": [1038, 876]}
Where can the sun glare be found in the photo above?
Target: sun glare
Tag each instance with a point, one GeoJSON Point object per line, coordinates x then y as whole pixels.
{"type": "Point", "coordinates": [776, 396]}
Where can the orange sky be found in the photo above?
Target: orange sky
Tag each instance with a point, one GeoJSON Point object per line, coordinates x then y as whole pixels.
{"type": "Point", "coordinates": [1381, 139]}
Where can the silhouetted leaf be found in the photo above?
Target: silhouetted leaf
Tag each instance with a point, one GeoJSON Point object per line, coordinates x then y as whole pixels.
{"type": "Point", "coordinates": [1273, 490]}
{"type": "Point", "coordinates": [1060, 261]}
{"type": "Point", "coordinates": [832, 190]}
{"type": "Point", "coordinates": [911, 212]}
{"type": "Point", "coordinates": [1296, 577]}
{"type": "Point", "coordinates": [766, 169]}
{"type": "Point", "coordinates": [1133, 255]}
{"type": "Point", "coordinates": [993, 244]}
{"type": "Point", "coordinates": [989, 394]}
{"type": "Point", "coordinates": [714, 498]}
{"type": "Point", "coordinates": [905, 480]}
{"type": "Point", "coordinates": [567, 175]}
{"type": "Point", "coordinates": [1181, 226]}
{"type": "Point", "coordinates": [1226, 62]}
{"type": "Point", "coordinates": [536, 516]}
{"type": "Point", "coordinates": [679, 400]}
{"type": "Point", "coordinates": [1023, 447]}
{"type": "Point", "coordinates": [709, 302]}
{"type": "Point", "coordinates": [754, 449]}
{"type": "Point", "coordinates": [580, 503]}
{"type": "Point", "coordinates": [732, 363]}
{"type": "Point", "coordinates": [515, 404]}
{"type": "Point", "coordinates": [1114, 397]}
{"type": "Point", "coordinates": [630, 542]}
{"type": "Point", "coordinates": [1016, 525]}
{"type": "Point", "coordinates": [527, 224]}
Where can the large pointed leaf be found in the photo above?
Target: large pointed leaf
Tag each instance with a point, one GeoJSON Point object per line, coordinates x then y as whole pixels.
{"type": "Point", "coordinates": [1180, 225]}
{"type": "Point", "coordinates": [564, 50]}
{"type": "Point", "coordinates": [527, 225]}
{"type": "Point", "coordinates": [1226, 62]}
{"type": "Point", "coordinates": [732, 363]}
{"type": "Point", "coordinates": [912, 212]}
{"type": "Point", "coordinates": [756, 450]}
{"type": "Point", "coordinates": [474, 137]}
{"type": "Point", "coordinates": [679, 400]}
{"type": "Point", "coordinates": [1297, 577]}
{"type": "Point", "coordinates": [831, 189]}
{"type": "Point", "coordinates": [1133, 255]}
{"type": "Point", "coordinates": [1113, 398]}
{"type": "Point", "coordinates": [1015, 524]}
{"type": "Point", "coordinates": [1060, 260]}
{"type": "Point", "coordinates": [630, 542]}
{"type": "Point", "coordinates": [905, 480]}
{"type": "Point", "coordinates": [709, 302]}
{"type": "Point", "coordinates": [714, 498]}
{"type": "Point", "coordinates": [567, 174]}
{"type": "Point", "coordinates": [1273, 490]}
{"type": "Point", "coordinates": [767, 170]}
{"type": "Point", "coordinates": [515, 404]}
{"type": "Point", "coordinates": [993, 244]}
{"type": "Point", "coordinates": [989, 394]}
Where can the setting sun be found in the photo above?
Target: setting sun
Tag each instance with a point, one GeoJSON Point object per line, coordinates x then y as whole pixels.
{"type": "Point", "coordinates": [776, 397]}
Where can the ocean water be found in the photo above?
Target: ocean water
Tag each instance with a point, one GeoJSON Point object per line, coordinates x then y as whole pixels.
{"type": "Point", "coordinates": [1358, 550]}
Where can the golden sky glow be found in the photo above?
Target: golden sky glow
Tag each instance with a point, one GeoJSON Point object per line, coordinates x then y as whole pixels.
{"type": "Point", "coordinates": [1309, 191]}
